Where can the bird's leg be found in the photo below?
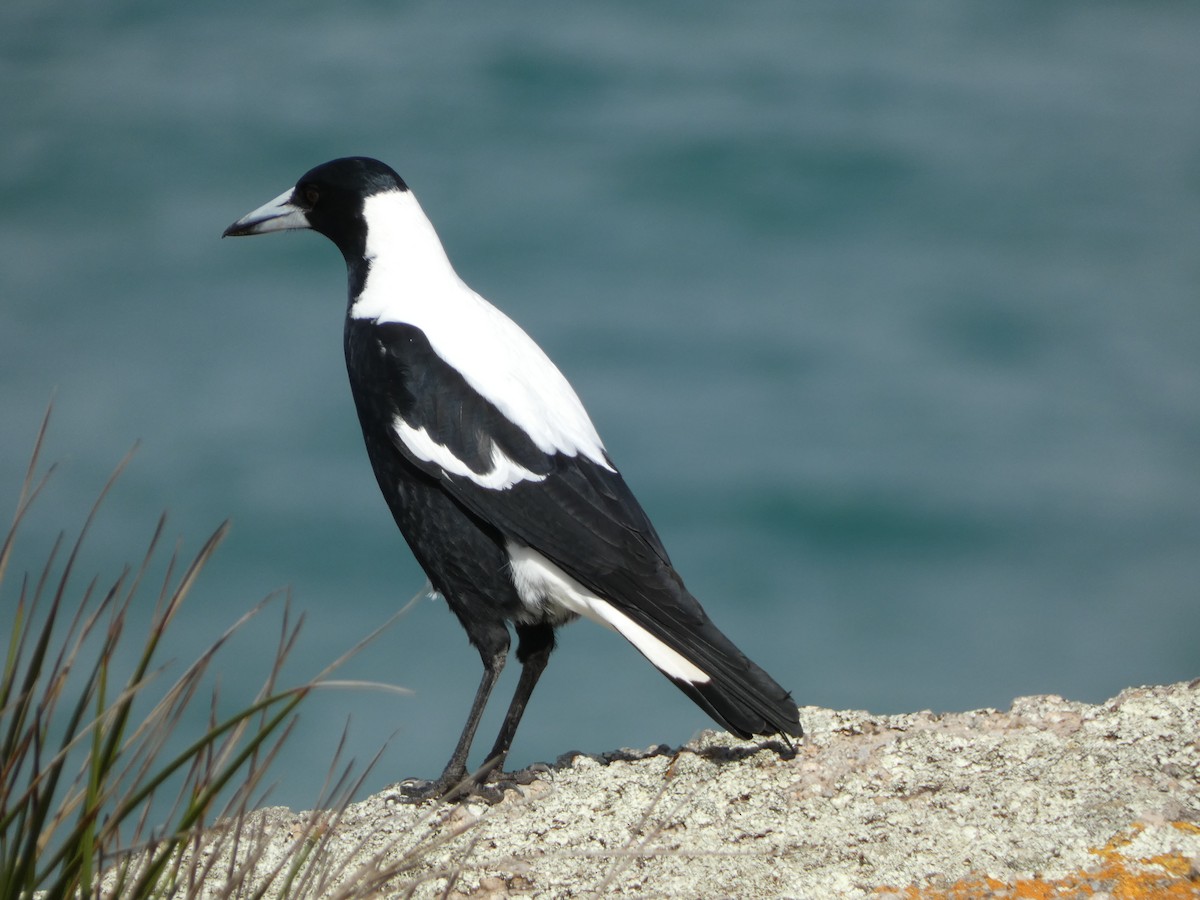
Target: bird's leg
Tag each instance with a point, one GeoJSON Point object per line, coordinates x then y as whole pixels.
{"type": "Point", "coordinates": [456, 768]}
{"type": "Point", "coordinates": [454, 776]}
{"type": "Point", "coordinates": [533, 651]}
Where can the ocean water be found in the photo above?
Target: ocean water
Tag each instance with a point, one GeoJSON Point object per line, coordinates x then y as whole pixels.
{"type": "Point", "coordinates": [890, 316]}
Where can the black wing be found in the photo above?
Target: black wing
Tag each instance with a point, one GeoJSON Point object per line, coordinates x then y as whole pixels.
{"type": "Point", "coordinates": [577, 513]}
{"type": "Point", "coordinates": [574, 511]}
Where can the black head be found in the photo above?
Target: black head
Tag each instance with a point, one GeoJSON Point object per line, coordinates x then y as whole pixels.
{"type": "Point", "coordinates": [329, 200]}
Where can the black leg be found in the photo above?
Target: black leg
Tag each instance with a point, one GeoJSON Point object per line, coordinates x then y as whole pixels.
{"type": "Point", "coordinates": [491, 639]}
{"type": "Point", "coordinates": [533, 651]}
{"type": "Point", "coordinates": [456, 768]}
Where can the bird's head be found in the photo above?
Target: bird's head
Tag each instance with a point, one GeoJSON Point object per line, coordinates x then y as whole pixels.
{"type": "Point", "coordinates": [328, 199]}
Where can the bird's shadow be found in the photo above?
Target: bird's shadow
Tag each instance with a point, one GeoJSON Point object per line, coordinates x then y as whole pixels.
{"type": "Point", "coordinates": [715, 754]}
{"type": "Point", "coordinates": [492, 789]}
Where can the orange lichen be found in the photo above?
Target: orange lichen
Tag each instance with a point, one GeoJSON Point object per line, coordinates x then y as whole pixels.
{"type": "Point", "coordinates": [1169, 876]}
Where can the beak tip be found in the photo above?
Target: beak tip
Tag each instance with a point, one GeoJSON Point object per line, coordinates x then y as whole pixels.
{"type": "Point", "coordinates": [237, 229]}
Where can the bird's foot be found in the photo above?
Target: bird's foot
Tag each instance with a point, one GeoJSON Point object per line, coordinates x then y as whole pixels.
{"type": "Point", "coordinates": [484, 785]}
{"type": "Point", "coordinates": [451, 788]}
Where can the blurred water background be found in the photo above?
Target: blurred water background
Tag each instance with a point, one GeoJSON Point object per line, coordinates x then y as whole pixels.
{"type": "Point", "coordinates": [890, 314]}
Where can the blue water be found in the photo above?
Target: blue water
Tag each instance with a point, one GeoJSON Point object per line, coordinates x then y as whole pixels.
{"type": "Point", "coordinates": [890, 315]}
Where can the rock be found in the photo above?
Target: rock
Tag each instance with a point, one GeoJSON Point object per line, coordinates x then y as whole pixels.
{"type": "Point", "coordinates": [1049, 796]}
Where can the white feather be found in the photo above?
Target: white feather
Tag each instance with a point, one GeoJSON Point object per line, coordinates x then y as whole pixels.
{"type": "Point", "coordinates": [410, 280]}
{"type": "Point", "coordinates": [504, 473]}
{"type": "Point", "coordinates": [547, 589]}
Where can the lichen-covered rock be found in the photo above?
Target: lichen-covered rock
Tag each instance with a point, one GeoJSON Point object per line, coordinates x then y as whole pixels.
{"type": "Point", "coordinates": [1051, 798]}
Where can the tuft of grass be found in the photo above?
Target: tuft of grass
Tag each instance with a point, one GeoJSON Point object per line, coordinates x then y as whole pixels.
{"type": "Point", "coordinates": [84, 766]}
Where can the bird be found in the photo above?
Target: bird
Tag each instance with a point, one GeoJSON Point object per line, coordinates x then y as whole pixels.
{"type": "Point", "coordinates": [494, 472]}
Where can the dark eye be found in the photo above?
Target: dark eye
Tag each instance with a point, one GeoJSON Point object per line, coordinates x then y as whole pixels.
{"type": "Point", "coordinates": [308, 195]}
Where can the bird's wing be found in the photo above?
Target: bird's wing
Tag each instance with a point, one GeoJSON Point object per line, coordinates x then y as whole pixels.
{"type": "Point", "coordinates": [575, 511]}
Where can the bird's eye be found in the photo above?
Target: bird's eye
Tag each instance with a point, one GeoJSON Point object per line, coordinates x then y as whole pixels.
{"type": "Point", "coordinates": [308, 195]}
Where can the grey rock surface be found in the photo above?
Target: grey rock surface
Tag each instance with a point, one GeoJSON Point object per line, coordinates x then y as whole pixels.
{"type": "Point", "coordinates": [1050, 795]}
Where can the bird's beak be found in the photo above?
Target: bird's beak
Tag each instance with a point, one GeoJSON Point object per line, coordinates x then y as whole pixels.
{"type": "Point", "coordinates": [281, 214]}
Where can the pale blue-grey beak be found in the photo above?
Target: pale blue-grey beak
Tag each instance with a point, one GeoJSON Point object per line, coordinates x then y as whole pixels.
{"type": "Point", "coordinates": [281, 214]}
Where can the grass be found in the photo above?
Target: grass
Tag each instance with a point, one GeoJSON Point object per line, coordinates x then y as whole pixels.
{"type": "Point", "coordinates": [89, 752]}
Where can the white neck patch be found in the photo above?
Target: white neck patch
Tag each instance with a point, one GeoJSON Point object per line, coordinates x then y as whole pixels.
{"type": "Point", "coordinates": [406, 257]}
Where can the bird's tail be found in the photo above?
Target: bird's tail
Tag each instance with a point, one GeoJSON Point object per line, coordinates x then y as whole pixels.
{"type": "Point", "coordinates": [707, 666]}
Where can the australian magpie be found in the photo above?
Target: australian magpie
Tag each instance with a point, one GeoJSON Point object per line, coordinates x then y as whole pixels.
{"type": "Point", "coordinates": [493, 471]}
